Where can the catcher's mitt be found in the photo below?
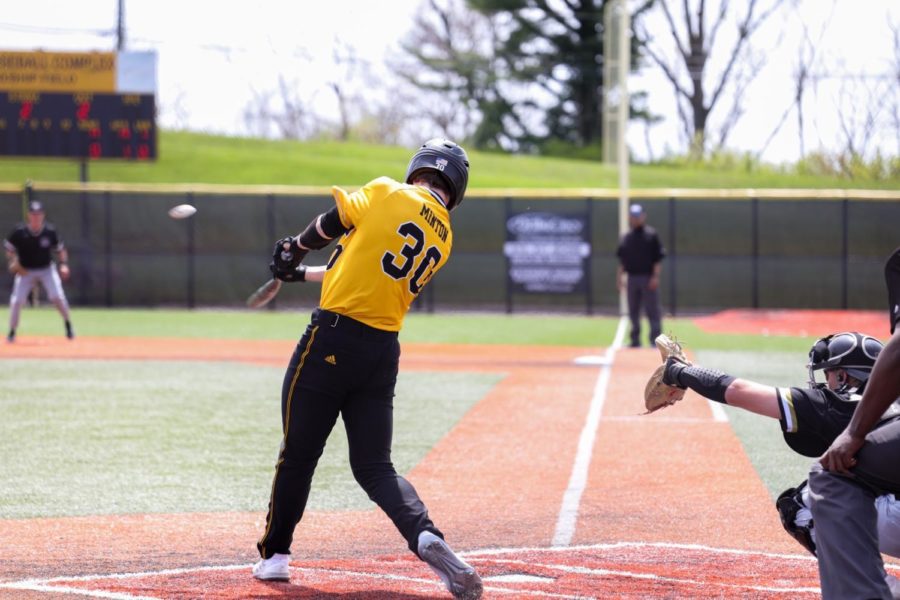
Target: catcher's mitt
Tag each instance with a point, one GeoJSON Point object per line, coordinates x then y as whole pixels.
{"type": "Point", "coordinates": [657, 394]}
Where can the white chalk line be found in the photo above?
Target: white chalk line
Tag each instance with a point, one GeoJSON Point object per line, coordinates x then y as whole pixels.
{"type": "Point", "coordinates": [47, 585]}
{"type": "Point", "coordinates": [654, 577]}
{"type": "Point", "coordinates": [568, 512]}
{"type": "Point", "coordinates": [657, 420]}
{"type": "Point", "coordinates": [718, 411]}
{"type": "Point", "coordinates": [490, 554]}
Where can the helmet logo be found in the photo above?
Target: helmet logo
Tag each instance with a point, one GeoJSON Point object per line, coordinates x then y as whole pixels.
{"type": "Point", "coordinates": [440, 163]}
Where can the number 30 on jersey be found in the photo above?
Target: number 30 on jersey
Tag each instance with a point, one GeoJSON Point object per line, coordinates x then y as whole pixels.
{"type": "Point", "coordinates": [399, 267]}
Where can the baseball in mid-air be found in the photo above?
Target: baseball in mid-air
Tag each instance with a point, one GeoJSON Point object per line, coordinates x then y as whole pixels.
{"type": "Point", "coordinates": [182, 211]}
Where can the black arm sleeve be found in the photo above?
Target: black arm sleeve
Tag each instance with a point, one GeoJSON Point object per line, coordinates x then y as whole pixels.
{"type": "Point", "coordinates": [322, 230]}
{"type": "Point", "coordinates": [709, 383]}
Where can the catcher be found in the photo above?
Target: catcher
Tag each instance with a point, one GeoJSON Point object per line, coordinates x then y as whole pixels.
{"type": "Point", "coordinates": [811, 418]}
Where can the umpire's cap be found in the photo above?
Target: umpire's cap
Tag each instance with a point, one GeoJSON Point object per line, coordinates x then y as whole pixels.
{"type": "Point", "coordinates": [35, 207]}
{"type": "Point", "coordinates": [446, 158]}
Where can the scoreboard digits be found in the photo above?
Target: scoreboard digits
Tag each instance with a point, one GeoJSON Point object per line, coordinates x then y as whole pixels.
{"type": "Point", "coordinates": [80, 125]}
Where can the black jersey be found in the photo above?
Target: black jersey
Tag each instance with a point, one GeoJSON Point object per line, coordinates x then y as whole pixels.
{"type": "Point", "coordinates": [639, 250]}
{"type": "Point", "coordinates": [34, 249]}
{"type": "Point", "coordinates": [811, 418]}
{"type": "Point", "coordinates": [892, 278]}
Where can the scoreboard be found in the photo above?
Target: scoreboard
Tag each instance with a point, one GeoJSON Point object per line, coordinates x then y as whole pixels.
{"type": "Point", "coordinates": [80, 125]}
{"type": "Point", "coordinates": [81, 105]}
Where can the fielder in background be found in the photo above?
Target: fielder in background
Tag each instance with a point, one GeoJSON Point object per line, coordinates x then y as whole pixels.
{"type": "Point", "coordinates": [640, 262]}
{"type": "Point", "coordinates": [393, 238]}
{"type": "Point", "coordinates": [29, 254]}
{"type": "Point", "coordinates": [861, 463]}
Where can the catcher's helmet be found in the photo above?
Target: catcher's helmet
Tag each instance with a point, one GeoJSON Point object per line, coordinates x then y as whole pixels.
{"type": "Point", "coordinates": [852, 351]}
{"type": "Point", "coordinates": [448, 160]}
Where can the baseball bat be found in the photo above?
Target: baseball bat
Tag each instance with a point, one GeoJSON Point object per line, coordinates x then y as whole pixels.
{"type": "Point", "coordinates": [264, 294]}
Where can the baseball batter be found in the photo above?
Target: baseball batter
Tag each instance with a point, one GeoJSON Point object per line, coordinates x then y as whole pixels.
{"type": "Point", "coordinates": [811, 418]}
{"type": "Point", "coordinates": [393, 238]}
{"type": "Point", "coordinates": [29, 254]}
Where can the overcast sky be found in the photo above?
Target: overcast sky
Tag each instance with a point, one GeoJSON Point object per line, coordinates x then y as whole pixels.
{"type": "Point", "coordinates": [214, 55]}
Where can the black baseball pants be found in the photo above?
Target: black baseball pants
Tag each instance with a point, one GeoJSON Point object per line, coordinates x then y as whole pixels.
{"type": "Point", "coordinates": [340, 367]}
{"type": "Point", "coordinates": [641, 296]}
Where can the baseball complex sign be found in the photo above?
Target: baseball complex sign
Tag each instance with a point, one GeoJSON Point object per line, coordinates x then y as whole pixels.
{"type": "Point", "coordinates": [547, 252]}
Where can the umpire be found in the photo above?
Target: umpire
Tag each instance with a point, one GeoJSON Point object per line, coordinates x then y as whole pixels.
{"type": "Point", "coordinates": [640, 261]}
{"type": "Point", "coordinates": [393, 238]}
{"type": "Point", "coordinates": [29, 254]}
{"type": "Point", "coordinates": [861, 463]}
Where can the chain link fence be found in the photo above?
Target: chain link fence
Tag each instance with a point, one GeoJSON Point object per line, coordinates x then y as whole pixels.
{"type": "Point", "coordinates": [726, 248]}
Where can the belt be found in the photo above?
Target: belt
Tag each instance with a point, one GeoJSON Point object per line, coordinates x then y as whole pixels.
{"type": "Point", "coordinates": [337, 321]}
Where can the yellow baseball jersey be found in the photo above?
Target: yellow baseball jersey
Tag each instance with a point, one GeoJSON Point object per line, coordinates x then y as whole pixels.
{"type": "Point", "coordinates": [399, 237]}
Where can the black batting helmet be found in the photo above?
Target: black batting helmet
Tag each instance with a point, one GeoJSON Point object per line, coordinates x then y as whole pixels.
{"type": "Point", "coordinates": [446, 158]}
{"type": "Point", "coordinates": [852, 351]}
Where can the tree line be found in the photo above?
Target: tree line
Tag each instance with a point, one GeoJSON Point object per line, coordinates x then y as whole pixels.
{"type": "Point", "coordinates": [527, 76]}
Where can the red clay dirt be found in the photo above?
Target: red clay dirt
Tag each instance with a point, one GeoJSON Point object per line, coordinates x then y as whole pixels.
{"type": "Point", "coordinates": [672, 507]}
{"type": "Point", "coordinates": [811, 323]}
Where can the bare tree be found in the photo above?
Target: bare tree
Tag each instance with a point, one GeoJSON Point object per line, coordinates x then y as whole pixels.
{"type": "Point", "coordinates": [698, 91]}
{"type": "Point", "coordinates": [258, 115]}
{"type": "Point", "coordinates": [282, 113]}
{"type": "Point", "coordinates": [895, 29]}
{"type": "Point", "coordinates": [865, 105]}
{"type": "Point", "coordinates": [350, 81]}
{"type": "Point", "coordinates": [448, 58]}
{"type": "Point", "coordinates": [177, 111]}
{"type": "Point", "coordinates": [803, 75]}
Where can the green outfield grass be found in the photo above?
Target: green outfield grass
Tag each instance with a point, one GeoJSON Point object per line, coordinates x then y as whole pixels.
{"type": "Point", "coordinates": [482, 328]}
{"type": "Point", "coordinates": [778, 466]}
{"type": "Point", "coordinates": [159, 436]}
{"type": "Point", "coordinates": [95, 437]}
{"type": "Point", "coordinates": [186, 157]}
{"type": "Point", "coordinates": [454, 328]}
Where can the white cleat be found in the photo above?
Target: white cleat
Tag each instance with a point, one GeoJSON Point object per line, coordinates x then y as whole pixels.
{"type": "Point", "coordinates": [274, 568]}
{"type": "Point", "coordinates": [459, 577]}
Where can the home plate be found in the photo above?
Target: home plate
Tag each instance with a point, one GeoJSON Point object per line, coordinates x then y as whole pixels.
{"type": "Point", "coordinates": [519, 578]}
{"type": "Point", "coordinates": [592, 360]}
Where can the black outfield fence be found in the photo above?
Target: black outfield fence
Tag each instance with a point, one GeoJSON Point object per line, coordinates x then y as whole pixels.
{"type": "Point", "coordinates": [726, 248]}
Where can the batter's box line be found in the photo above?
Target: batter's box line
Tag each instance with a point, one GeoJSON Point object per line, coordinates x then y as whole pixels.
{"type": "Point", "coordinates": [46, 585]}
{"type": "Point", "coordinates": [661, 545]}
{"type": "Point", "coordinates": [487, 554]}
{"type": "Point", "coordinates": [620, 545]}
{"type": "Point", "coordinates": [661, 578]}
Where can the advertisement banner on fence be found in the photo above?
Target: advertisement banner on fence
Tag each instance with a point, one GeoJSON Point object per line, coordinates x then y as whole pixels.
{"type": "Point", "coordinates": [547, 252]}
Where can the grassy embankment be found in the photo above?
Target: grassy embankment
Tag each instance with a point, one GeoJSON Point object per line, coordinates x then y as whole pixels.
{"type": "Point", "coordinates": [197, 158]}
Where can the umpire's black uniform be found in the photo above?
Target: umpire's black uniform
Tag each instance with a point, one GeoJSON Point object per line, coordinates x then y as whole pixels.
{"type": "Point", "coordinates": [850, 564]}
{"type": "Point", "coordinates": [640, 251]}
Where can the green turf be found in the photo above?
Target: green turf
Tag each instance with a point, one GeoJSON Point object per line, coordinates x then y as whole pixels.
{"type": "Point", "coordinates": [186, 157]}
{"type": "Point", "coordinates": [695, 338]}
{"type": "Point", "coordinates": [246, 324]}
{"type": "Point", "coordinates": [456, 328]}
{"type": "Point", "coordinates": [115, 437]}
{"type": "Point", "coordinates": [778, 466]}
{"type": "Point", "coordinates": [207, 433]}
